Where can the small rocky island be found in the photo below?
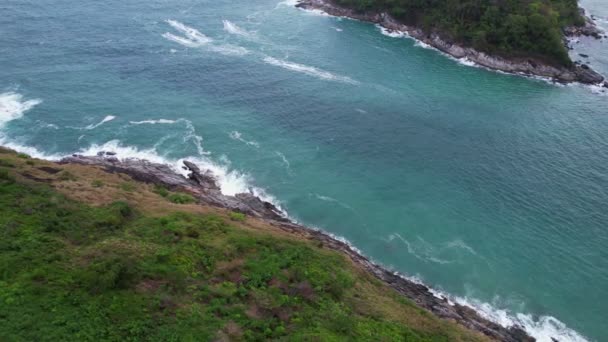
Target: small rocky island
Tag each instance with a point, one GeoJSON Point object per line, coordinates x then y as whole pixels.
{"type": "Point", "coordinates": [517, 43]}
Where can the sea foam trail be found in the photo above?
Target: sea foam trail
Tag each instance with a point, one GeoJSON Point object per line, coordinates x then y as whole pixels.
{"type": "Point", "coordinates": [13, 106]}
{"type": "Point", "coordinates": [232, 28]}
{"type": "Point", "coordinates": [193, 38]}
{"type": "Point", "coordinates": [191, 33]}
{"type": "Point", "coordinates": [153, 122]}
{"type": "Point", "coordinates": [236, 135]}
{"type": "Point", "coordinates": [106, 119]}
{"type": "Point", "coordinates": [309, 70]}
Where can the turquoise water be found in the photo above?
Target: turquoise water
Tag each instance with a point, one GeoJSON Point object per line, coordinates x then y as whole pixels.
{"type": "Point", "coordinates": [490, 188]}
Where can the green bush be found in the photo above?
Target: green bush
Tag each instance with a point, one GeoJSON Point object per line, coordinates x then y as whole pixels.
{"type": "Point", "coordinates": [181, 198]}
{"type": "Point", "coordinates": [161, 190]}
{"type": "Point", "coordinates": [97, 183]}
{"type": "Point", "coordinates": [127, 186]}
{"type": "Point", "coordinates": [67, 176]}
{"type": "Point", "coordinates": [236, 216]}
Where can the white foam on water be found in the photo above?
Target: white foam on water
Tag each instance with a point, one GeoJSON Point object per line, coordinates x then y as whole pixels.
{"type": "Point", "coordinates": [229, 50]}
{"type": "Point", "coordinates": [309, 70]}
{"type": "Point", "coordinates": [543, 328]}
{"type": "Point", "coordinates": [460, 244]}
{"type": "Point", "coordinates": [193, 35]}
{"type": "Point", "coordinates": [287, 3]}
{"type": "Point", "coordinates": [13, 106]}
{"type": "Point", "coordinates": [391, 33]}
{"type": "Point", "coordinates": [236, 135]}
{"type": "Point", "coordinates": [153, 122]}
{"type": "Point", "coordinates": [108, 118]}
{"type": "Point", "coordinates": [232, 28]}
{"type": "Point", "coordinates": [284, 160]}
{"type": "Point", "coordinates": [195, 39]}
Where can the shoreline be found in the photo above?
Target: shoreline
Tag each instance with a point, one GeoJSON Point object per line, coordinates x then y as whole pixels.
{"type": "Point", "coordinates": [580, 73]}
{"type": "Point", "coordinates": [203, 186]}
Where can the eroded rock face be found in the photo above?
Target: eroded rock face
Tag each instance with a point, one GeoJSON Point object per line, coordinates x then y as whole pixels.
{"type": "Point", "coordinates": [203, 185]}
{"type": "Point", "coordinates": [512, 65]}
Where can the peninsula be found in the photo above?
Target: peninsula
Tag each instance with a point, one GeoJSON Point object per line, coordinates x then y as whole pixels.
{"type": "Point", "coordinates": [519, 37]}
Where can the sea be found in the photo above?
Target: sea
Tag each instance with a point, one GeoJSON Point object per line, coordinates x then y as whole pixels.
{"type": "Point", "coordinates": [490, 188]}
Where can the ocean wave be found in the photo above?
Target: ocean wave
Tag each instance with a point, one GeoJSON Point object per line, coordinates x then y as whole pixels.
{"type": "Point", "coordinates": [232, 28]}
{"type": "Point", "coordinates": [153, 122]}
{"type": "Point", "coordinates": [108, 118]}
{"type": "Point", "coordinates": [543, 328]}
{"type": "Point", "coordinates": [392, 33]}
{"type": "Point", "coordinates": [229, 50]}
{"type": "Point", "coordinates": [193, 37]}
{"type": "Point", "coordinates": [236, 135]}
{"type": "Point", "coordinates": [309, 70]}
{"type": "Point", "coordinates": [13, 106]}
{"type": "Point", "coordinates": [287, 3]}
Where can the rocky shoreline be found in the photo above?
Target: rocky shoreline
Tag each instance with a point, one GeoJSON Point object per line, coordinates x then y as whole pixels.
{"type": "Point", "coordinates": [581, 73]}
{"type": "Point", "coordinates": [203, 185]}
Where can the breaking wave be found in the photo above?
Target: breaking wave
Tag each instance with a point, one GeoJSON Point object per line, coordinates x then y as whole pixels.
{"type": "Point", "coordinates": [193, 38]}
{"type": "Point", "coordinates": [232, 28]}
{"type": "Point", "coordinates": [309, 70]}
{"type": "Point", "coordinates": [13, 106]}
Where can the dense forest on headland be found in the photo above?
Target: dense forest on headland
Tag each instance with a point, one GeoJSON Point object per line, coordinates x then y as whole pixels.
{"type": "Point", "coordinates": [510, 28]}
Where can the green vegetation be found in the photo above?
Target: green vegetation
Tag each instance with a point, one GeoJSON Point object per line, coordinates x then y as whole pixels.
{"type": "Point", "coordinates": [512, 28]}
{"type": "Point", "coordinates": [180, 198]}
{"type": "Point", "coordinates": [97, 183]}
{"type": "Point", "coordinates": [71, 271]}
{"type": "Point", "coordinates": [235, 216]}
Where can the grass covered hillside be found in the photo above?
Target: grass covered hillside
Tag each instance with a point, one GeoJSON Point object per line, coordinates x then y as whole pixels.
{"type": "Point", "coordinates": [87, 255]}
{"type": "Point", "coordinates": [511, 28]}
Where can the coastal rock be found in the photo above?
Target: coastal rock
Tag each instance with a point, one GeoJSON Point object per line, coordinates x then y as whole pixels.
{"type": "Point", "coordinates": [204, 179]}
{"type": "Point", "coordinates": [200, 184]}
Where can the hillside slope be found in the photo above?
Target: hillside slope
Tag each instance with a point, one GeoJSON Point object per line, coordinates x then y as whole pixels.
{"type": "Point", "coordinates": [89, 253]}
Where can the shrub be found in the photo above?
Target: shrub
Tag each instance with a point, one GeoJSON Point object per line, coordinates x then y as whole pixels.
{"type": "Point", "coordinates": [5, 176]}
{"type": "Point", "coordinates": [161, 190]}
{"type": "Point", "coordinates": [67, 176]}
{"type": "Point", "coordinates": [236, 216]}
{"type": "Point", "coordinates": [180, 198]}
{"type": "Point", "coordinates": [6, 163]}
{"type": "Point", "coordinates": [97, 183]}
{"type": "Point", "coordinates": [127, 186]}
{"type": "Point", "coordinates": [23, 156]}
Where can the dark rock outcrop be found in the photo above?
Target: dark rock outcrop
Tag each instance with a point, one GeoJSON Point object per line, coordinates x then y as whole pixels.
{"type": "Point", "coordinates": [203, 185]}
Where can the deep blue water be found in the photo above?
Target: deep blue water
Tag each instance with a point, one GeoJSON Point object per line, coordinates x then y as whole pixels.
{"type": "Point", "coordinates": [488, 187]}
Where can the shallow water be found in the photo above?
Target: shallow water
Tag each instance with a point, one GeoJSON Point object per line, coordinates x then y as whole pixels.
{"type": "Point", "coordinates": [489, 187]}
